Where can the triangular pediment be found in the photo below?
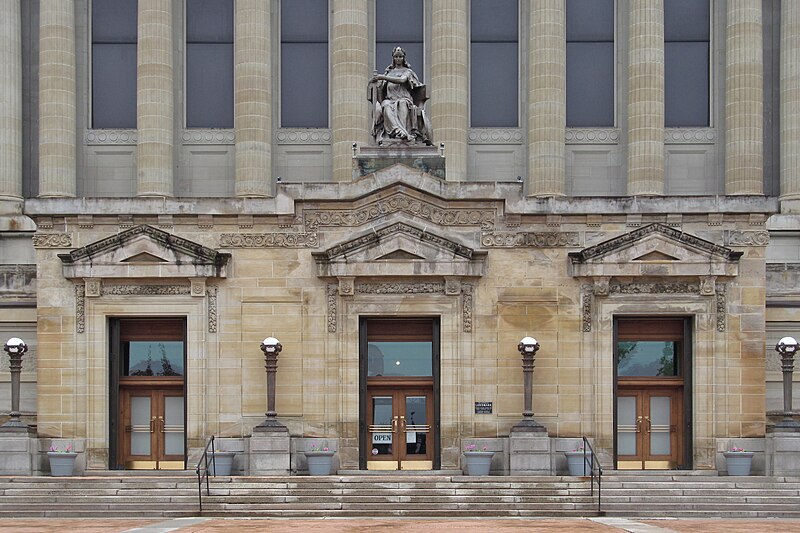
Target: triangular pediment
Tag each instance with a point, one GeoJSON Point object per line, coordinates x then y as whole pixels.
{"type": "Point", "coordinates": [400, 249]}
{"type": "Point", "coordinates": [655, 250]}
{"type": "Point", "coordinates": [144, 251]}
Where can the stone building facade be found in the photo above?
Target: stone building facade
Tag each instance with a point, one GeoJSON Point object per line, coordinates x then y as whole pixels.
{"type": "Point", "coordinates": [651, 247]}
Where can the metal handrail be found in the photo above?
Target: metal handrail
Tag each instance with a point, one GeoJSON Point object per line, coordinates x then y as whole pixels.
{"type": "Point", "coordinates": [202, 465]}
{"type": "Point", "coordinates": [590, 459]}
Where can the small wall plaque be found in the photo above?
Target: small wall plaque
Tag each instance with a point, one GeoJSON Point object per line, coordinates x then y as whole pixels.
{"type": "Point", "coordinates": [483, 408]}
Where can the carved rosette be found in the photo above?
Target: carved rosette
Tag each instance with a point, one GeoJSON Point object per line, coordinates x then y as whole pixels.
{"type": "Point", "coordinates": [52, 240]}
{"type": "Point", "coordinates": [268, 240]}
{"type": "Point", "coordinates": [511, 239]}
{"type": "Point", "coordinates": [212, 310]}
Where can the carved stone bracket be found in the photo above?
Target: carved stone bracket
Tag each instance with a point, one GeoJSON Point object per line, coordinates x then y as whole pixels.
{"type": "Point", "coordinates": [746, 238]}
{"type": "Point", "coordinates": [708, 285]}
{"type": "Point", "coordinates": [80, 308]}
{"type": "Point", "coordinates": [452, 286]}
{"type": "Point", "coordinates": [722, 306]}
{"type": "Point", "coordinates": [601, 286]}
{"type": "Point", "coordinates": [347, 285]}
{"type": "Point", "coordinates": [333, 298]}
{"type": "Point", "coordinates": [52, 240]}
{"type": "Point", "coordinates": [198, 287]}
{"type": "Point", "coordinates": [268, 240]}
{"type": "Point", "coordinates": [93, 287]}
{"type": "Point", "coordinates": [212, 310]}
{"type": "Point", "coordinates": [548, 239]}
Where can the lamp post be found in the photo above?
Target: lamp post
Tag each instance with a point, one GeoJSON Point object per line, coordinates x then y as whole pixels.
{"type": "Point", "coordinates": [15, 348]}
{"type": "Point", "coordinates": [527, 348]}
{"type": "Point", "coordinates": [271, 348]}
{"type": "Point", "coordinates": [787, 347]}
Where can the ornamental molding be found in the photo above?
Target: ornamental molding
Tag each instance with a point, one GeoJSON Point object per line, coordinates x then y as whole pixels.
{"type": "Point", "coordinates": [52, 240]}
{"type": "Point", "coordinates": [495, 136]}
{"type": "Point", "coordinates": [399, 203]}
{"type": "Point", "coordinates": [211, 301]}
{"type": "Point", "coordinates": [510, 239]}
{"type": "Point", "coordinates": [268, 240]}
{"type": "Point", "coordinates": [111, 137]}
{"type": "Point", "coordinates": [746, 238]}
{"type": "Point", "coordinates": [333, 300]}
{"type": "Point", "coordinates": [80, 309]}
{"type": "Point", "coordinates": [145, 290]}
{"type": "Point", "coordinates": [303, 136]}
{"type": "Point", "coordinates": [466, 309]}
{"type": "Point", "coordinates": [587, 300]}
{"type": "Point", "coordinates": [783, 267]}
{"type": "Point", "coordinates": [690, 135]}
{"type": "Point", "coordinates": [400, 287]}
{"type": "Point", "coordinates": [375, 237]}
{"type": "Point", "coordinates": [639, 287]}
{"type": "Point", "coordinates": [722, 306]}
{"type": "Point", "coordinates": [591, 136]}
{"type": "Point", "coordinates": [209, 136]}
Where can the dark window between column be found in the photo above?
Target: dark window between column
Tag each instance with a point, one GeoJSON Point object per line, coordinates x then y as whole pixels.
{"type": "Point", "coordinates": [399, 24]}
{"type": "Point", "coordinates": [114, 25]}
{"type": "Point", "coordinates": [686, 63]}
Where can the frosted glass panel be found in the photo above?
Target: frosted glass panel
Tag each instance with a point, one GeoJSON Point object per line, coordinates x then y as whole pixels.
{"type": "Point", "coordinates": [626, 425]}
{"type": "Point", "coordinates": [140, 422]}
{"type": "Point", "coordinates": [173, 425]}
{"type": "Point", "coordinates": [416, 437]}
{"type": "Point", "coordinates": [382, 416]}
{"type": "Point", "coordinates": [660, 425]}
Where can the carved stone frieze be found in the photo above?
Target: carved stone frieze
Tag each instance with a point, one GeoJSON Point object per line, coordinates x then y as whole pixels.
{"type": "Point", "coordinates": [746, 238]}
{"type": "Point", "coordinates": [587, 297]}
{"type": "Point", "coordinates": [268, 240]}
{"type": "Point", "coordinates": [591, 136]}
{"type": "Point", "coordinates": [123, 137]}
{"type": "Point", "coordinates": [548, 239]}
{"type": "Point", "coordinates": [495, 136]}
{"type": "Point", "coordinates": [638, 287]}
{"type": "Point", "coordinates": [690, 135]}
{"type": "Point", "coordinates": [399, 203]}
{"type": "Point", "coordinates": [467, 307]}
{"type": "Point", "coordinates": [333, 296]}
{"type": "Point", "coordinates": [208, 136]}
{"type": "Point", "coordinates": [80, 309]}
{"type": "Point", "coordinates": [400, 287]}
{"type": "Point", "coordinates": [303, 136]}
{"type": "Point", "coordinates": [52, 240]}
{"type": "Point", "coordinates": [145, 290]}
{"type": "Point", "coordinates": [212, 310]}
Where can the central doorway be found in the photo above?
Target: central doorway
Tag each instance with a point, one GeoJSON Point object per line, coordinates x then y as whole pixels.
{"type": "Point", "coordinates": [399, 419]}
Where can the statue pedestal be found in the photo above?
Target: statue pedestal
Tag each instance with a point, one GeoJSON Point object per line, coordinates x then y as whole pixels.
{"type": "Point", "coordinates": [269, 452]}
{"type": "Point", "coordinates": [783, 453]}
{"type": "Point", "coordinates": [17, 447]}
{"type": "Point", "coordinates": [370, 159]}
{"type": "Point", "coordinates": [529, 451]}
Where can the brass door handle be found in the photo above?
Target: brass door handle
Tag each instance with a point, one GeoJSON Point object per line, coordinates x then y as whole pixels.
{"type": "Point", "coordinates": [394, 424]}
{"type": "Point", "coordinates": [403, 423]}
{"type": "Point", "coordinates": [153, 425]}
{"type": "Point", "coordinates": [163, 426]}
{"type": "Point", "coordinates": [649, 424]}
{"type": "Point", "coordinates": [638, 424]}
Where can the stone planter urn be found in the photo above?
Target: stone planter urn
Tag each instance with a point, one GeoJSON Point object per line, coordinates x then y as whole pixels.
{"type": "Point", "coordinates": [220, 463]}
{"type": "Point", "coordinates": [320, 462]}
{"type": "Point", "coordinates": [579, 463]}
{"type": "Point", "coordinates": [478, 463]}
{"type": "Point", "coordinates": [61, 463]}
{"type": "Point", "coordinates": [738, 462]}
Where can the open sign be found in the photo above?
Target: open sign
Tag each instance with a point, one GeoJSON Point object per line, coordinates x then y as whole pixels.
{"type": "Point", "coordinates": [381, 438]}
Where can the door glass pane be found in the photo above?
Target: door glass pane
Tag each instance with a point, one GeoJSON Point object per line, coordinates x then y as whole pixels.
{"type": "Point", "coordinates": [626, 425]}
{"type": "Point", "coordinates": [381, 416]}
{"type": "Point", "coordinates": [173, 425]}
{"type": "Point", "coordinates": [152, 358]}
{"type": "Point", "coordinates": [647, 358]}
{"type": "Point", "coordinates": [140, 425]}
{"type": "Point", "coordinates": [416, 424]}
{"type": "Point", "coordinates": [400, 359]}
{"type": "Point", "coordinates": [659, 425]}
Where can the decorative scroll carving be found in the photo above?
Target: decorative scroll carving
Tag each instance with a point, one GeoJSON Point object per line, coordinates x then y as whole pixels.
{"type": "Point", "coordinates": [212, 310]}
{"type": "Point", "coordinates": [123, 137]}
{"type": "Point", "coordinates": [746, 238]}
{"type": "Point", "coordinates": [591, 136]}
{"type": "Point", "coordinates": [400, 287]}
{"type": "Point", "coordinates": [511, 239]}
{"type": "Point", "coordinates": [495, 136]}
{"type": "Point", "coordinates": [303, 136]}
{"type": "Point", "coordinates": [400, 203]}
{"type": "Point", "coordinates": [268, 240]}
{"type": "Point", "coordinates": [587, 296]}
{"type": "Point", "coordinates": [52, 240]}
{"type": "Point", "coordinates": [333, 296]}
{"type": "Point", "coordinates": [209, 136]}
{"type": "Point", "coordinates": [676, 287]}
{"type": "Point", "coordinates": [722, 306]}
{"type": "Point", "coordinates": [690, 135]}
{"type": "Point", "coordinates": [80, 309]}
{"type": "Point", "coordinates": [467, 307]}
{"type": "Point", "coordinates": [145, 290]}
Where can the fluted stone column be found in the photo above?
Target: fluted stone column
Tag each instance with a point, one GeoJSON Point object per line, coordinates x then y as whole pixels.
{"type": "Point", "coordinates": [252, 98]}
{"type": "Point", "coordinates": [790, 106]}
{"type": "Point", "coordinates": [449, 84]}
{"type": "Point", "coordinates": [349, 106]}
{"type": "Point", "coordinates": [744, 99]}
{"type": "Point", "coordinates": [10, 106]}
{"type": "Point", "coordinates": [547, 96]}
{"type": "Point", "coordinates": [154, 98]}
{"type": "Point", "coordinates": [57, 98]}
{"type": "Point", "coordinates": [646, 98]}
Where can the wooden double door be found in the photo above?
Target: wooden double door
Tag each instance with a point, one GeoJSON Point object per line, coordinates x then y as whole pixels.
{"type": "Point", "coordinates": [400, 432]}
{"type": "Point", "coordinates": [649, 426]}
{"type": "Point", "coordinates": [153, 431]}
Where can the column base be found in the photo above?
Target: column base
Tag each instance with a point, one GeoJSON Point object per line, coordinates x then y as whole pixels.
{"type": "Point", "coordinates": [270, 453]}
{"type": "Point", "coordinates": [529, 451]}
